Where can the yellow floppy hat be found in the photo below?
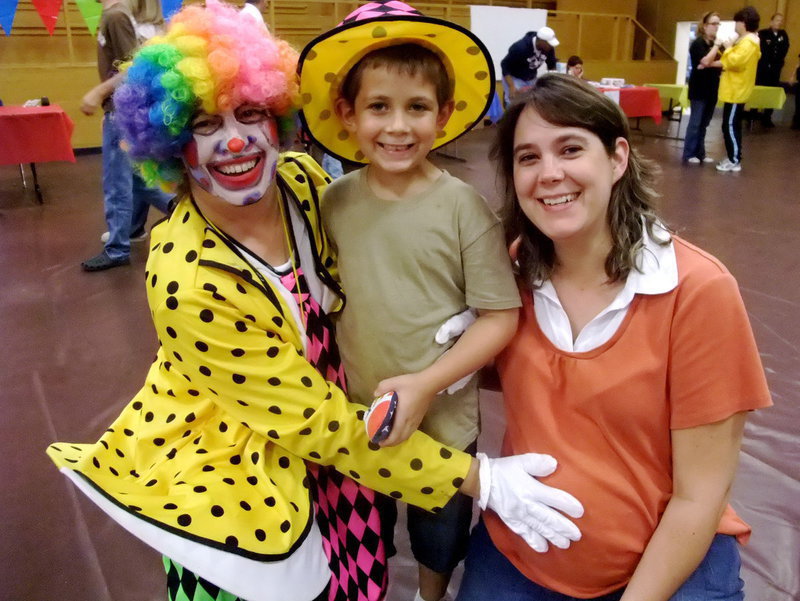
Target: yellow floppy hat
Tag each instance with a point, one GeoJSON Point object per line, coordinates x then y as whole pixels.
{"type": "Point", "coordinates": [326, 60]}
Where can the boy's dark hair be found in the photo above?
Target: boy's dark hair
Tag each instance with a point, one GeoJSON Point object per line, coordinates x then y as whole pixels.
{"type": "Point", "coordinates": [574, 60]}
{"type": "Point", "coordinates": [408, 59]}
{"type": "Point", "coordinates": [567, 101]}
{"type": "Point", "coordinates": [749, 16]}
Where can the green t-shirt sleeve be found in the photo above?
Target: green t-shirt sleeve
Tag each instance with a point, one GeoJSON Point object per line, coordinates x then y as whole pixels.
{"type": "Point", "coordinates": [488, 277]}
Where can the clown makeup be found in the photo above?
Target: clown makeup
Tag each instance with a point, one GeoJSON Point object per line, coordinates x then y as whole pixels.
{"type": "Point", "coordinates": [233, 154]}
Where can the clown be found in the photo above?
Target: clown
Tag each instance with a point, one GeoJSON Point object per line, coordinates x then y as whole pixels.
{"type": "Point", "coordinates": [224, 460]}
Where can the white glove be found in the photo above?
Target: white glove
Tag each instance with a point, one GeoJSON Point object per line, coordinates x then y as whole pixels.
{"type": "Point", "coordinates": [455, 326]}
{"type": "Point", "coordinates": [528, 507]}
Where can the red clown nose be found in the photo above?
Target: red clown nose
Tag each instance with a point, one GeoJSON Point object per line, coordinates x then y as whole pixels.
{"type": "Point", "coordinates": [235, 144]}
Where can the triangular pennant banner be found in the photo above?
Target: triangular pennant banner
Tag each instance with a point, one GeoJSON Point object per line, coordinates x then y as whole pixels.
{"type": "Point", "coordinates": [8, 9]}
{"type": "Point", "coordinates": [48, 10]}
{"type": "Point", "coordinates": [170, 7]}
{"type": "Point", "coordinates": [90, 11]}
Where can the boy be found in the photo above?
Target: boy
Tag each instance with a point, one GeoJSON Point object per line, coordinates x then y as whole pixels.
{"type": "Point", "coordinates": [415, 245]}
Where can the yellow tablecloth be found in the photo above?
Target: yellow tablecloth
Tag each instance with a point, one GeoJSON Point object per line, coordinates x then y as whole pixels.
{"type": "Point", "coordinates": [763, 97]}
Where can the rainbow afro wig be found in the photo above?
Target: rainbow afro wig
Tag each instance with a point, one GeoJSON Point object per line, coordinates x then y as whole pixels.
{"type": "Point", "coordinates": [212, 58]}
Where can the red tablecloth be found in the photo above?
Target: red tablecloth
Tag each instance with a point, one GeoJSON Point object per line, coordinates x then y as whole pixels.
{"type": "Point", "coordinates": [35, 134]}
{"type": "Point", "coordinates": [638, 101]}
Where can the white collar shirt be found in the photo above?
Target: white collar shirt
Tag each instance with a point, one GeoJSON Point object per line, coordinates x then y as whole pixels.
{"type": "Point", "coordinates": [657, 274]}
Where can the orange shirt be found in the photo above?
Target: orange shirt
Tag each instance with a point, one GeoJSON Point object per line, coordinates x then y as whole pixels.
{"type": "Point", "coordinates": [678, 360]}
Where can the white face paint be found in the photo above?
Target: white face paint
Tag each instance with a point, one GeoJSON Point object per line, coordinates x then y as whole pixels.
{"type": "Point", "coordinates": [233, 154]}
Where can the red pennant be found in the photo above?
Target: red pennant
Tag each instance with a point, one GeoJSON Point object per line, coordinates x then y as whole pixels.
{"type": "Point", "coordinates": [48, 11]}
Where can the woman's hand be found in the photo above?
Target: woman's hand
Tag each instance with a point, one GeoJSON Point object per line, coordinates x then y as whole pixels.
{"type": "Point", "coordinates": [414, 397]}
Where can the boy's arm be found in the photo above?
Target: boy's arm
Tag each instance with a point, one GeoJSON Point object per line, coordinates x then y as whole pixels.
{"type": "Point", "coordinates": [477, 346]}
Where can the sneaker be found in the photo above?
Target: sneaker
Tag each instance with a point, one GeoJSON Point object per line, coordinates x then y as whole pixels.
{"type": "Point", "coordinates": [139, 236]}
{"type": "Point", "coordinates": [727, 165]}
{"type": "Point", "coordinates": [708, 160]}
{"type": "Point", "coordinates": [102, 262]}
{"type": "Point", "coordinates": [693, 160]}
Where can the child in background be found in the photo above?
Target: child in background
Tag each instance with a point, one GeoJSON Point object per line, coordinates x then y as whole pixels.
{"type": "Point", "coordinates": [415, 245]}
{"type": "Point", "coordinates": [575, 66]}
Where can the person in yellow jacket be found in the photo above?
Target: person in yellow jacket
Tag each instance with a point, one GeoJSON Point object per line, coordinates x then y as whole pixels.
{"type": "Point", "coordinates": [241, 459]}
{"type": "Point", "coordinates": [739, 63]}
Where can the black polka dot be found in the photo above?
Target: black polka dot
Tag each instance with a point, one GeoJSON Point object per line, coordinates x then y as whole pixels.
{"type": "Point", "coordinates": [241, 288]}
{"type": "Point", "coordinates": [185, 217]}
{"type": "Point", "coordinates": [153, 280]}
{"type": "Point", "coordinates": [172, 287]}
{"type": "Point", "coordinates": [273, 434]}
{"type": "Point", "coordinates": [237, 352]}
{"type": "Point", "coordinates": [172, 303]}
{"type": "Point", "coordinates": [231, 541]}
{"type": "Point", "coordinates": [272, 352]}
{"type": "Point", "coordinates": [277, 321]}
{"type": "Point", "coordinates": [190, 418]}
{"type": "Point", "coordinates": [201, 346]}
{"type": "Point", "coordinates": [223, 427]}
{"type": "Point", "coordinates": [360, 414]}
{"type": "Point", "coordinates": [284, 462]}
{"type": "Point", "coordinates": [333, 426]}
{"type": "Point", "coordinates": [230, 481]}
{"type": "Point", "coordinates": [158, 441]}
{"type": "Point", "coordinates": [396, 494]}
{"type": "Point", "coordinates": [127, 432]}
{"type": "Point", "coordinates": [306, 205]}
{"type": "Point", "coordinates": [137, 405]}
{"type": "Point", "coordinates": [170, 417]}
{"type": "Point", "coordinates": [436, 510]}
{"type": "Point", "coordinates": [305, 432]}
{"type": "Point", "coordinates": [252, 480]}
{"type": "Point", "coordinates": [148, 417]}
{"type": "Point", "coordinates": [241, 326]}
{"type": "Point", "coordinates": [207, 315]}
{"type": "Point", "coordinates": [308, 412]}
{"type": "Point", "coordinates": [373, 446]}
{"type": "Point", "coordinates": [285, 525]}
{"type": "Point", "coordinates": [177, 355]}
{"type": "Point", "coordinates": [245, 505]}
{"type": "Point", "coordinates": [167, 248]}
{"type": "Point", "coordinates": [457, 482]}
{"type": "Point", "coordinates": [191, 256]}
{"type": "Point", "coordinates": [246, 274]}
{"type": "Point", "coordinates": [343, 451]}
{"type": "Point", "coordinates": [172, 453]}
{"type": "Point", "coordinates": [120, 453]}
{"type": "Point", "coordinates": [172, 333]}
{"type": "Point", "coordinates": [153, 388]}
{"type": "Point", "coordinates": [254, 457]}
{"type": "Point", "coordinates": [208, 468]}
{"type": "Point", "coordinates": [426, 490]}
{"type": "Point", "coordinates": [184, 519]}
{"type": "Point", "coordinates": [238, 378]}
{"type": "Point", "coordinates": [274, 409]}
{"type": "Point", "coordinates": [416, 464]}
{"type": "Point", "coordinates": [384, 473]}
{"type": "Point", "coordinates": [205, 370]}
{"type": "Point", "coordinates": [355, 475]}
{"type": "Point", "coordinates": [200, 489]}
{"type": "Point", "coordinates": [269, 501]}
{"type": "Point", "coordinates": [217, 511]}
{"type": "Point", "coordinates": [306, 381]}
{"type": "Point", "coordinates": [170, 506]}
{"type": "Point", "coordinates": [274, 381]}
{"type": "Point", "coordinates": [445, 453]}
{"type": "Point", "coordinates": [300, 178]}
{"type": "Point", "coordinates": [243, 404]}
{"type": "Point", "coordinates": [315, 455]}
{"type": "Point", "coordinates": [209, 244]}
{"type": "Point", "coordinates": [235, 460]}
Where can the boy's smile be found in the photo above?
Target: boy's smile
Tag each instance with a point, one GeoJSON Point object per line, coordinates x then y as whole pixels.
{"type": "Point", "coordinates": [395, 120]}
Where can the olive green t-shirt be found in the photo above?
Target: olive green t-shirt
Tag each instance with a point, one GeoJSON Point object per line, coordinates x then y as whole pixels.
{"type": "Point", "coordinates": [406, 267]}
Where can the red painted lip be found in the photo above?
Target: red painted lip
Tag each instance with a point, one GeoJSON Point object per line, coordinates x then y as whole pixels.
{"type": "Point", "coordinates": [238, 181]}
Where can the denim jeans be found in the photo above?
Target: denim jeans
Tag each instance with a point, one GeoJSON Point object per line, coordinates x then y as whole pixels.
{"type": "Point", "coordinates": [126, 198]}
{"type": "Point", "coordinates": [701, 113]}
{"type": "Point", "coordinates": [488, 576]}
{"type": "Point", "coordinates": [519, 84]}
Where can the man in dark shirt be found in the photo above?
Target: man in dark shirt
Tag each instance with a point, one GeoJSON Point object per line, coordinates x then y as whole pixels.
{"type": "Point", "coordinates": [774, 46]}
{"type": "Point", "coordinates": [126, 198]}
{"type": "Point", "coordinates": [525, 56]}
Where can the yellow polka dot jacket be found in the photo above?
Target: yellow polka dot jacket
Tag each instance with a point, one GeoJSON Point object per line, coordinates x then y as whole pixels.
{"type": "Point", "coordinates": [213, 447]}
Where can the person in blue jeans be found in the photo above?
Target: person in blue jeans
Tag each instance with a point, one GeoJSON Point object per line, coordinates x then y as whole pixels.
{"type": "Point", "coordinates": [703, 89]}
{"type": "Point", "coordinates": [126, 198]}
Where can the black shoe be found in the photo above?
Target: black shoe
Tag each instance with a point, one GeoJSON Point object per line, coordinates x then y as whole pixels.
{"type": "Point", "coordinates": [102, 262]}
